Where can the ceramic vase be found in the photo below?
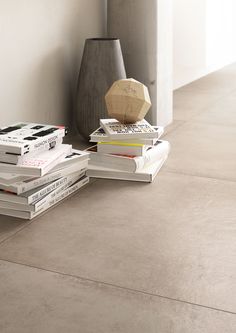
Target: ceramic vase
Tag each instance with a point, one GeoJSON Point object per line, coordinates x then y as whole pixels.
{"type": "Point", "coordinates": [102, 64]}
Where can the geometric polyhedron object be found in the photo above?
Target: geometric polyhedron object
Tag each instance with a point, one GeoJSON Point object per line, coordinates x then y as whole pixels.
{"type": "Point", "coordinates": [127, 101]}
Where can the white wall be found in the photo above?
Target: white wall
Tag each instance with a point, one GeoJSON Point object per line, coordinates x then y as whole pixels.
{"type": "Point", "coordinates": [204, 37]}
{"type": "Point", "coordinates": [41, 48]}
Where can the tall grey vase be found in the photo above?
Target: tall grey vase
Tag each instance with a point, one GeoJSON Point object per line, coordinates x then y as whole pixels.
{"type": "Point", "coordinates": [102, 64]}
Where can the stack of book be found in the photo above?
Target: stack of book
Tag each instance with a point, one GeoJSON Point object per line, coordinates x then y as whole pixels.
{"type": "Point", "coordinates": [127, 151]}
{"type": "Point", "coordinates": [37, 170]}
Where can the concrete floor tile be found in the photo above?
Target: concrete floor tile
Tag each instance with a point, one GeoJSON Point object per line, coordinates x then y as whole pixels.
{"type": "Point", "coordinates": [189, 104]}
{"type": "Point", "coordinates": [9, 226]}
{"type": "Point", "coordinates": [222, 113]}
{"type": "Point", "coordinates": [175, 237]}
{"type": "Point", "coordinates": [201, 149]}
{"type": "Point", "coordinates": [43, 302]}
{"type": "Point", "coordinates": [175, 124]}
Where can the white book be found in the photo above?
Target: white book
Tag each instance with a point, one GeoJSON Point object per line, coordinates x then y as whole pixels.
{"type": "Point", "coordinates": [10, 178]}
{"type": "Point", "coordinates": [38, 164]}
{"type": "Point", "coordinates": [100, 136]}
{"type": "Point", "coordinates": [129, 163]}
{"type": "Point", "coordinates": [123, 148]}
{"type": "Point", "coordinates": [118, 131]}
{"type": "Point", "coordinates": [146, 175]}
{"type": "Point", "coordinates": [50, 203]}
{"type": "Point", "coordinates": [75, 156]}
{"type": "Point", "coordinates": [19, 159]}
{"type": "Point", "coordinates": [32, 183]}
{"type": "Point", "coordinates": [36, 206]}
{"type": "Point", "coordinates": [22, 138]}
{"type": "Point", "coordinates": [31, 196]}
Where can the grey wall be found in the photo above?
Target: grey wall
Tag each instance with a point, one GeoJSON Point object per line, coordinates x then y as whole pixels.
{"type": "Point", "coordinates": [41, 48]}
{"type": "Point", "coordinates": [145, 31]}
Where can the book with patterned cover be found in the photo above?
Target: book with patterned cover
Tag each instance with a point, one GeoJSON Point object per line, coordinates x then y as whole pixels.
{"type": "Point", "coordinates": [117, 131]}
{"type": "Point", "coordinates": [22, 138]}
{"type": "Point", "coordinates": [100, 136]}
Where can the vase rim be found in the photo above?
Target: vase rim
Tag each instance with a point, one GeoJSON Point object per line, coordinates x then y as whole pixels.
{"type": "Point", "coordinates": [103, 39]}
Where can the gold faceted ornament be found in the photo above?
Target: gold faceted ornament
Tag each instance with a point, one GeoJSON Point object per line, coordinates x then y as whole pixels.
{"type": "Point", "coordinates": [127, 101]}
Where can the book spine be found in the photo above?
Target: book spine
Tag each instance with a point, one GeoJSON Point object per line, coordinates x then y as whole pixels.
{"type": "Point", "coordinates": [152, 155]}
{"type": "Point", "coordinates": [51, 195]}
{"type": "Point", "coordinates": [118, 135]}
{"type": "Point", "coordinates": [141, 140]}
{"type": "Point", "coordinates": [15, 213]}
{"type": "Point", "coordinates": [153, 135]}
{"type": "Point", "coordinates": [23, 187]}
{"type": "Point", "coordinates": [53, 201]}
{"type": "Point", "coordinates": [121, 149]}
{"type": "Point", "coordinates": [16, 206]}
{"type": "Point", "coordinates": [51, 187]}
{"type": "Point", "coordinates": [112, 161]}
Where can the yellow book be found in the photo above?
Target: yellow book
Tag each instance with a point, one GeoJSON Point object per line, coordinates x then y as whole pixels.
{"type": "Point", "coordinates": [122, 148]}
{"type": "Point", "coordinates": [119, 143]}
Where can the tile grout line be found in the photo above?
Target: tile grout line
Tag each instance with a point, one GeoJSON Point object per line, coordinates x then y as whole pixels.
{"type": "Point", "coordinates": [182, 123]}
{"type": "Point", "coordinates": [191, 119]}
{"type": "Point", "coordinates": [29, 223]}
{"type": "Point", "coordinates": [209, 123]}
{"type": "Point", "coordinates": [96, 180]}
{"type": "Point", "coordinates": [107, 284]}
{"type": "Point", "coordinates": [204, 91]}
{"type": "Point", "coordinates": [19, 230]}
{"type": "Point", "coordinates": [198, 176]}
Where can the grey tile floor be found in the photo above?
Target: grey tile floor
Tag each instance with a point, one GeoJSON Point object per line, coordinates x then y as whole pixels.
{"type": "Point", "coordinates": [129, 257]}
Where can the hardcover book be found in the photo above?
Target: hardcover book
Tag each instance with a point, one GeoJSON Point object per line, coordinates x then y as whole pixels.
{"type": "Point", "coordinates": [36, 206]}
{"type": "Point", "coordinates": [32, 183]}
{"type": "Point", "coordinates": [19, 159]}
{"type": "Point", "coordinates": [10, 178]}
{"type": "Point", "coordinates": [146, 175]}
{"type": "Point", "coordinates": [120, 147]}
{"type": "Point", "coordinates": [36, 164]}
{"type": "Point", "coordinates": [129, 163]}
{"type": "Point", "coordinates": [34, 195]}
{"type": "Point", "coordinates": [117, 131]}
{"type": "Point", "coordinates": [22, 138]}
{"type": "Point", "coordinates": [27, 185]}
{"type": "Point", "coordinates": [100, 136]}
{"type": "Point", "coordinates": [20, 184]}
{"type": "Point", "coordinates": [49, 203]}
